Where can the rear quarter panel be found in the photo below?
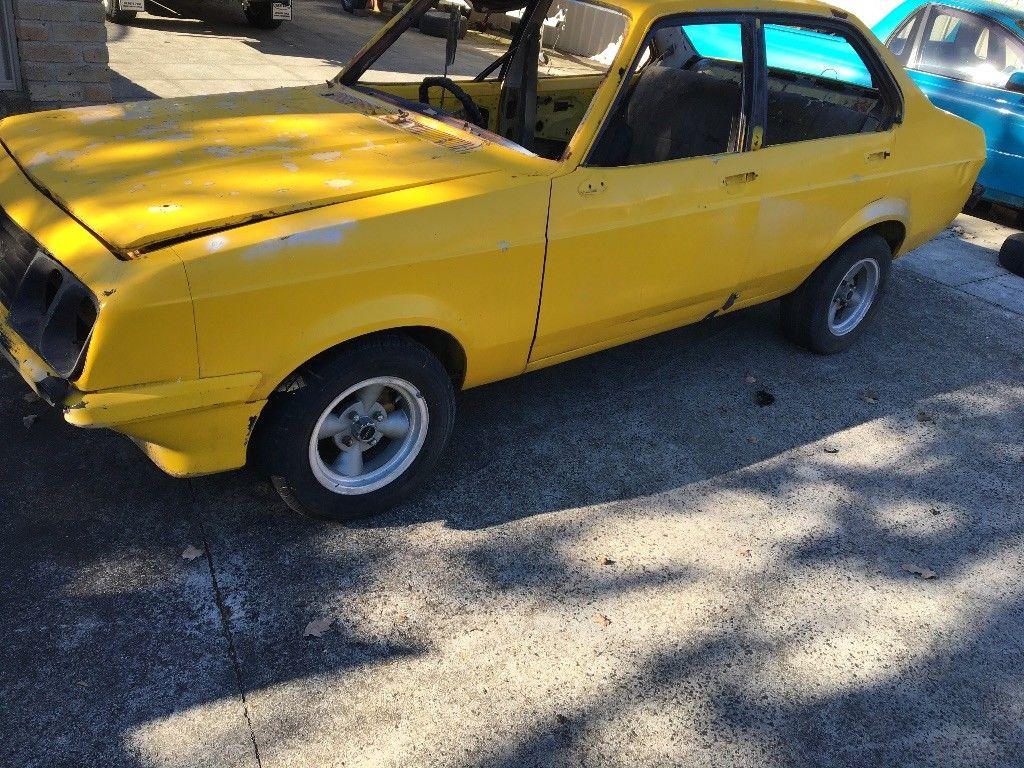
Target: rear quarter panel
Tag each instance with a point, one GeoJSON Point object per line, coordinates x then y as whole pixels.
{"type": "Point", "coordinates": [938, 158]}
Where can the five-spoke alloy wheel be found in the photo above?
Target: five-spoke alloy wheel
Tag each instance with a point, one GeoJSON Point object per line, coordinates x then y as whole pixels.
{"type": "Point", "coordinates": [369, 435]}
{"type": "Point", "coordinates": [355, 431]}
{"type": "Point", "coordinates": [833, 306]}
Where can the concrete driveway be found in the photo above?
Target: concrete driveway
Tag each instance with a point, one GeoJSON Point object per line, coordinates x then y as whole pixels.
{"type": "Point", "coordinates": [197, 48]}
{"type": "Point", "coordinates": [622, 561]}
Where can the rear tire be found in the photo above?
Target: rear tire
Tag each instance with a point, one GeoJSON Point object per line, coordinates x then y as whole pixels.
{"type": "Point", "coordinates": [313, 474]}
{"type": "Point", "coordinates": [833, 307]}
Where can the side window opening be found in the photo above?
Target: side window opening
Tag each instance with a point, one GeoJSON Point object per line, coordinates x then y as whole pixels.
{"type": "Point", "coordinates": [684, 100]}
{"type": "Point", "coordinates": [819, 86]}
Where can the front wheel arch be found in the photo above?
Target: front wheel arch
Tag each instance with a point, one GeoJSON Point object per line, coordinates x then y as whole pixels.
{"type": "Point", "coordinates": [442, 344]}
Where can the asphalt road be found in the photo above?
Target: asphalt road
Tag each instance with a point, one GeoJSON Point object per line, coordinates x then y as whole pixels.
{"type": "Point", "coordinates": [622, 561]}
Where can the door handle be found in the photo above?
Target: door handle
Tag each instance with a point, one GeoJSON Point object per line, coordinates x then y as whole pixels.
{"type": "Point", "coordinates": [874, 157]}
{"type": "Point", "coordinates": [739, 178]}
{"type": "Point", "coordinates": [592, 188]}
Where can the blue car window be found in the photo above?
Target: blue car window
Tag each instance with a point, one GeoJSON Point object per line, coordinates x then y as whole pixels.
{"type": "Point", "coordinates": [970, 48]}
{"type": "Point", "coordinates": [900, 43]}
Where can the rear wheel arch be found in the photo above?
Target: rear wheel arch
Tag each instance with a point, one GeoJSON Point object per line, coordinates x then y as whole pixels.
{"type": "Point", "coordinates": [894, 232]}
{"type": "Point", "coordinates": [888, 217]}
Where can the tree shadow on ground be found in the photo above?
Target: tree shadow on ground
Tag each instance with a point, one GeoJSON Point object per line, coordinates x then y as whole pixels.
{"type": "Point", "coordinates": [113, 633]}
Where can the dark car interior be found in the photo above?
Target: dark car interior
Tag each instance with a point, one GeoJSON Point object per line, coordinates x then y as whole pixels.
{"type": "Point", "coordinates": [677, 80]}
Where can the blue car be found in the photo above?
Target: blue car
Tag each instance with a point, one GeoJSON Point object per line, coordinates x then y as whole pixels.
{"type": "Point", "coordinates": [968, 57]}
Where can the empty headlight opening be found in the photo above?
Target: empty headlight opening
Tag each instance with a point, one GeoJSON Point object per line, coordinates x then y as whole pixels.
{"type": "Point", "coordinates": [55, 314]}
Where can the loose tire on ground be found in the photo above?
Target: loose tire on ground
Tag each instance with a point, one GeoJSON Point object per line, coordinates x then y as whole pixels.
{"type": "Point", "coordinates": [261, 16]}
{"type": "Point", "coordinates": [823, 314]}
{"type": "Point", "coordinates": [283, 441]}
{"type": "Point", "coordinates": [1011, 255]}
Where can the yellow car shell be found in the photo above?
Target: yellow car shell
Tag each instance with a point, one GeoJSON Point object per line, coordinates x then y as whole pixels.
{"type": "Point", "coordinates": [229, 239]}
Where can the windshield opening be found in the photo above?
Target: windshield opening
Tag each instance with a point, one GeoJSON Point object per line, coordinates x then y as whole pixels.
{"type": "Point", "coordinates": [526, 75]}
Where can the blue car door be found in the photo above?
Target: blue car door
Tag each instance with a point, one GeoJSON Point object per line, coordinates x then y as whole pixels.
{"type": "Point", "coordinates": [963, 62]}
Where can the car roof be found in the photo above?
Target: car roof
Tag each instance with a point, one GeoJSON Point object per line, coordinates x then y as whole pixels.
{"type": "Point", "coordinates": [1008, 15]}
{"type": "Point", "coordinates": [640, 7]}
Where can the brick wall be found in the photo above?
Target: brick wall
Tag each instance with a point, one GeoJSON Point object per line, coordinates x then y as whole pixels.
{"type": "Point", "coordinates": [62, 46]}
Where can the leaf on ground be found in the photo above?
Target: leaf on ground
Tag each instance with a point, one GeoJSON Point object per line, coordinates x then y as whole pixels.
{"type": "Point", "coordinates": [869, 396]}
{"type": "Point", "coordinates": [917, 570]}
{"type": "Point", "coordinates": [831, 449]}
{"type": "Point", "coordinates": [561, 719]}
{"type": "Point", "coordinates": [764, 398]}
{"type": "Point", "coordinates": [29, 420]}
{"type": "Point", "coordinates": [752, 440]}
{"type": "Point", "coordinates": [925, 418]}
{"type": "Point", "coordinates": [317, 627]}
{"type": "Point", "coordinates": [191, 552]}
{"type": "Point", "coordinates": [30, 397]}
{"type": "Point", "coordinates": [744, 552]}
{"type": "Point", "coordinates": [601, 619]}
{"type": "Point", "coordinates": [751, 379]}
{"type": "Point", "coordinates": [605, 560]}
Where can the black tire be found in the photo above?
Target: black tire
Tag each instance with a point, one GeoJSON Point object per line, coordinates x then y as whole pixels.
{"type": "Point", "coordinates": [117, 16]}
{"type": "Point", "coordinates": [435, 24]}
{"type": "Point", "coordinates": [281, 441]}
{"type": "Point", "coordinates": [805, 312]}
{"type": "Point", "coordinates": [1011, 255]}
{"type": "Point", "coordinates": [260, 15]}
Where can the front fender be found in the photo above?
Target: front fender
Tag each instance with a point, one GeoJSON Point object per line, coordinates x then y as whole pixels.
{"type": "Point", "coordinates": [270, 296]}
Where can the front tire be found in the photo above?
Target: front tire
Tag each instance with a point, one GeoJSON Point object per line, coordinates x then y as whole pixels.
{"type": "Point", "coordinates": [366, 426]}
{"type": "Point", "coordinates": [834, 306]}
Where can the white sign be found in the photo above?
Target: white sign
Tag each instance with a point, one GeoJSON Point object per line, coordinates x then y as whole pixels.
{"type": "Point", "coordinates": [131, 5]}
{"type": "Point", "coordinates": [281, 11]}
